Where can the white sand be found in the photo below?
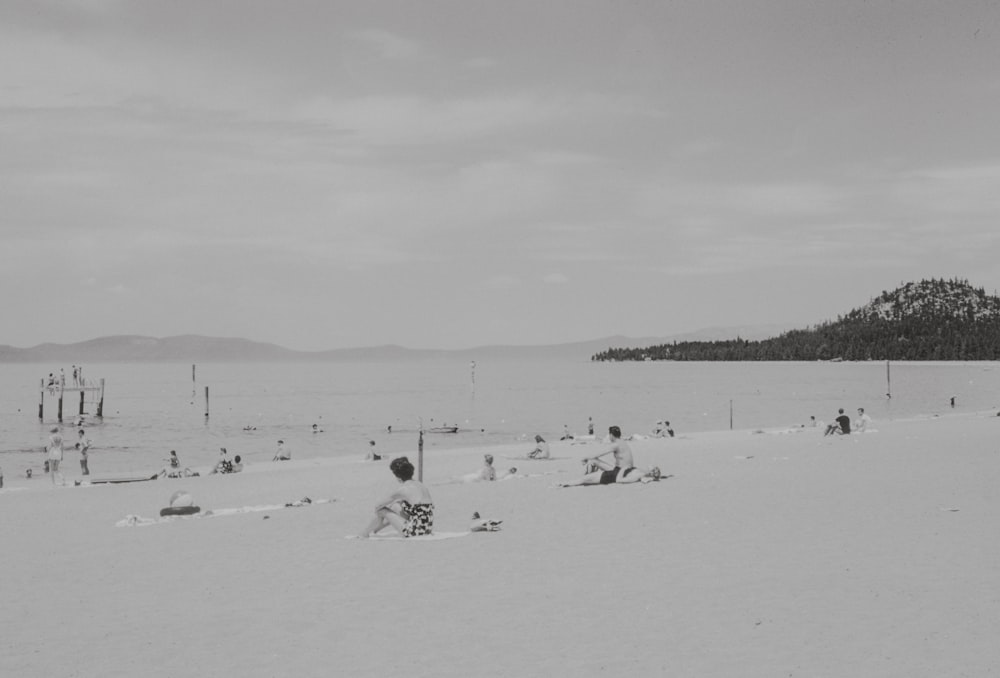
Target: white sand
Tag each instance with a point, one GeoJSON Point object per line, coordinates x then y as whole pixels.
{"type": "Point", "coordinates": [765, 555]}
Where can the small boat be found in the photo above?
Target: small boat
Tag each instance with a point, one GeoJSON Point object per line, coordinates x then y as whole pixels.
{"type": "Point", "coordinates": [443, 429]}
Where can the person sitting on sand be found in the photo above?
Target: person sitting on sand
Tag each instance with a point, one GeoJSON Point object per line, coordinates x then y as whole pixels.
{"type": "Point", "coordinates": [841, 425]}
{"type": "Point", "coordinates": [601, 472]}
{"type": "Point", "coordinates": [410, 509]}
{"type": "Point", "coordinates": [662, 430]}
{"type": "Point", "coordinates": [223, 465]}
{"type": "Point", "coordinates": [487, 472]}
{"type": "Point", "coordinates": [283, 453]}
{"type": "Point", "coordinates": [541, 450]}
{"type": "Point", "coordinates": [371, 455]}
{"type": "Point", "coordinates": [566, 434]}
{"type": "Point", "coordinates": [864, 421]}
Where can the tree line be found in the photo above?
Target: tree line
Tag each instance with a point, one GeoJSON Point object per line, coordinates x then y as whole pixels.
{"type": "Point", "coordinates": [930, 320]}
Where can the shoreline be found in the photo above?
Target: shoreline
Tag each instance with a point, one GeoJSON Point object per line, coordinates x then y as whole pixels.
{"type": "Point", "coordinates": [510, 453]}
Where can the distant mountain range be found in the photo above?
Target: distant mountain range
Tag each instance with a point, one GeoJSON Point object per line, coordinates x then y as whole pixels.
{"type": "Point", "coordinates": [195, 348]}
{"type": "Point", "coordinates": [926, 320]}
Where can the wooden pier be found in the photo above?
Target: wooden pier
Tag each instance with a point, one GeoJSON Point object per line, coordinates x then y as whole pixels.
{"type": "Point", "coordinates": [59, 391]}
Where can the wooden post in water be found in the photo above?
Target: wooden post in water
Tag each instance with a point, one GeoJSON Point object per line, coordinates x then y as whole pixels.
{"type": "Point", "coordinates": [420, 455]}
{"type": "Point", "coordinates": [206, 402]}
{"type": "Point", "coordinates": [100, 402]}
{"type": "Point", "coordinates": [888, 381]}
{"type": "Point", "coordinates": [730, 414]}
{"type": "Point", "coordinates": [41, 402]}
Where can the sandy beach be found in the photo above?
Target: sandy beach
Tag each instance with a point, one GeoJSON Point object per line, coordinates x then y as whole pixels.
{"type": "Point", "coordinates": [765, 554]}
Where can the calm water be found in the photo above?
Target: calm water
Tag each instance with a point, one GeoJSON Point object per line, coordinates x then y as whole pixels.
{"type": "Point", "coordinates": [152, 408]}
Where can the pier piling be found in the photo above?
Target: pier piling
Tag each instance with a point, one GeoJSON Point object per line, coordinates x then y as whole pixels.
{"type": "Point", "coordinates": [100, 403]}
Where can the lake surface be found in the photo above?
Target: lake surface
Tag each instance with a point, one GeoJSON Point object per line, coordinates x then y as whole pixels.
{"type": "Point", "coordinates": [151, 409]}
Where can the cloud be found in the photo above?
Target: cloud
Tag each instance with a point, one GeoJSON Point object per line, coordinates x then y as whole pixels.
{"type": "Point", "coordinates": [555, 279]}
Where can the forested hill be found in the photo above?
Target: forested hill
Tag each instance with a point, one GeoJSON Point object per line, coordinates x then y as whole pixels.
{"type": "Point", "coordinates": [927, 320]}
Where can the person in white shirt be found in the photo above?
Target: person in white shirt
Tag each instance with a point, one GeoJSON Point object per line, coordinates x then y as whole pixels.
{"type": "Point", "coordinates": [864, 422]}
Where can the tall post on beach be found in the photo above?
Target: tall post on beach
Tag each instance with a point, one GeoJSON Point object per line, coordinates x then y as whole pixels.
{"type": "Point", "coordinates": [194, 382]}
{"type": "Point", "coordinates": [473, 366]}
{"type": "Point", "coordinates": [730, 414]}
{"type": "Point", "coordinates": [41, 402]}
{"type": "Point", "coordinates": [60, 403]}
{"type": "Point", "coordinates": [420, 455]}
{"type": "Point", "coordinates": [206, 402]}
{"type": "Point", "coordinates": [82, 394]}
{"type": "Point", "coordinates": [100, 402]}
{"type": "Point", "coordinates": [888, 381]}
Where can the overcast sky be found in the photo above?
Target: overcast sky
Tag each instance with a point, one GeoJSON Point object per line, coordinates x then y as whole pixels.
{"type": "Point", "coordinates": [452, 174]}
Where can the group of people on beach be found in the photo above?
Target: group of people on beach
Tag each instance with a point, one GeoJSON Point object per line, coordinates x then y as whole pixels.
{"type": "Point", "coordinates": [410, 509]}
{"type": "Point", "coordinates": [55, 450]}
{"type": "Point", "coordinates": [842, 424]}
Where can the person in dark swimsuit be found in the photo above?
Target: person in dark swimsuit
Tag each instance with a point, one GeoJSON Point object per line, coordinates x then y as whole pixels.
{"type": "Point", "coordinates": [410, 509]}
{"type": "Point", "coordinates": [841, 425]}
{"type": "Point", "coordinates": [601, 472]}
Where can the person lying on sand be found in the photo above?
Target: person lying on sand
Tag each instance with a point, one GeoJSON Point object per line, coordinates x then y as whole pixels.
{"type": "Point", "coordinates": [178, 473]}
{"type": "Point", "coordinates": [511, 473]}
{"type": "Point", "coordinates": [410, 509]}
{"type": "Point", "coordinates": [541, 450]}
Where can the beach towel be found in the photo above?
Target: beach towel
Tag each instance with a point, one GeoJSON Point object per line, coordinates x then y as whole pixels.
{"type": "Point", "coordinates": [433, 536]}
{"type": "Point", "coordinates": [134, 520]}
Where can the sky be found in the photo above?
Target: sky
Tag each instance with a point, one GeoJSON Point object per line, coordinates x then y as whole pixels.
{"type": "Point", "coordinates": [326, 174]}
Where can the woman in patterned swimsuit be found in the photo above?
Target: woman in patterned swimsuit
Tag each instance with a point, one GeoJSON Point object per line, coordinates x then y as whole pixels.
{"type": "Point", "coordinates": [409, 509]}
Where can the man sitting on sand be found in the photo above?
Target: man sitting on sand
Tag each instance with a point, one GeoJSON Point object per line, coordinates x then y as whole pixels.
{"type": "Point", "coordinates": [601, 472]}
{"type": "Point", "coordinates": [541, 450]}
{"type": "Point", "coordinates": [864, 421]}
{"type": "Point", "coordinates": [841, 425]}
{"type": "Point", "coordinates": [283, 454]}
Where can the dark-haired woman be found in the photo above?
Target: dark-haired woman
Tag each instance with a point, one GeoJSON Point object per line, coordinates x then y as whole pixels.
{"type": "Point", "coordinates": [409, 509]}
